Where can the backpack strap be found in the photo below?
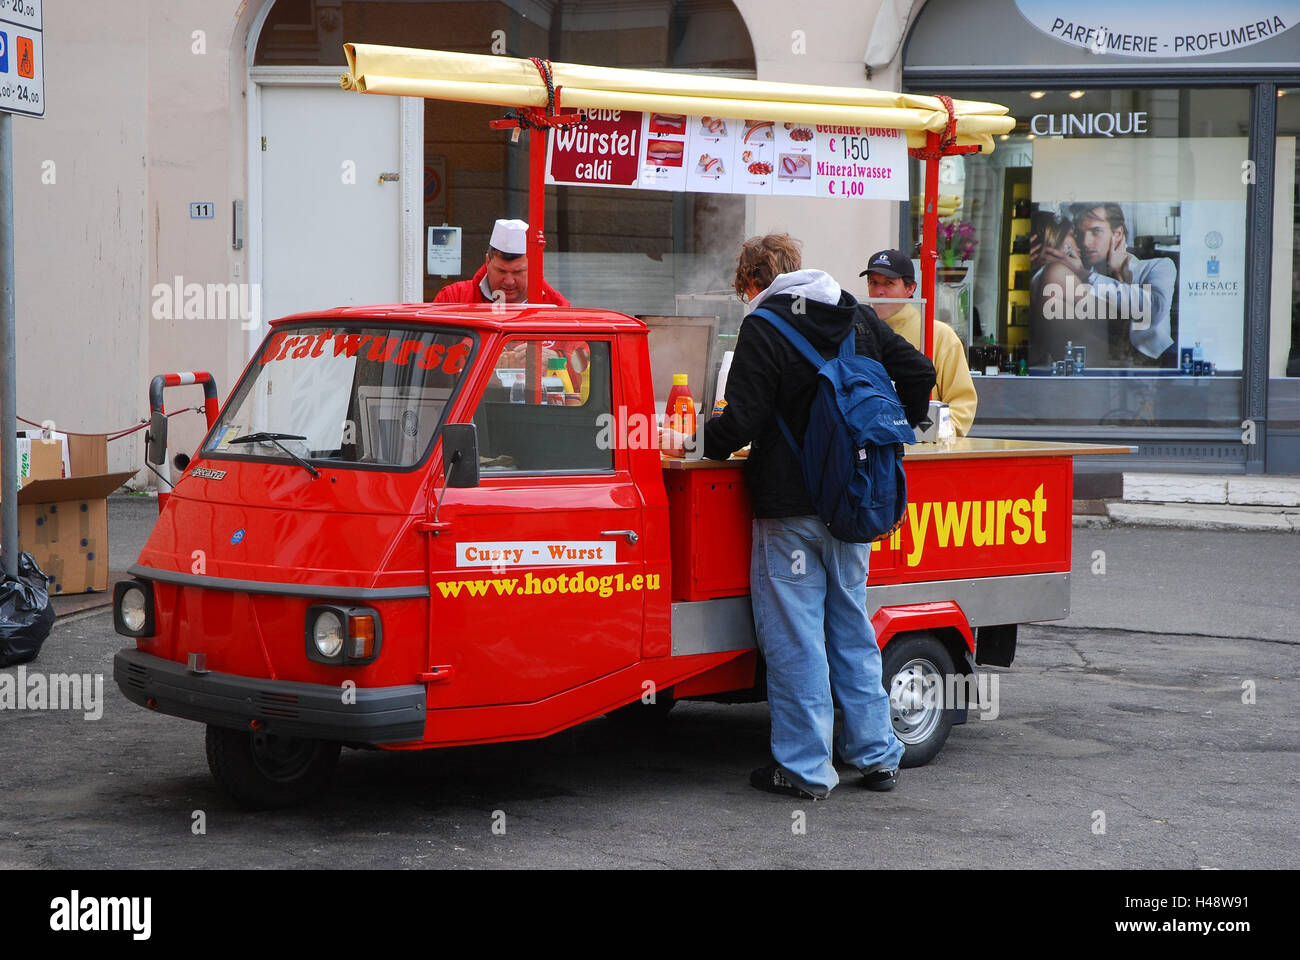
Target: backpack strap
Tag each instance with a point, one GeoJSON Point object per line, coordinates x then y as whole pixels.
{"type": "Point", "coordinates": [780, 422]}
{"type": "Point", "coordinates": [800, 343]}
{"type": "Point", "coordinates": [848, 346]}
{"type": "Point", "coordinates": [797, 339]}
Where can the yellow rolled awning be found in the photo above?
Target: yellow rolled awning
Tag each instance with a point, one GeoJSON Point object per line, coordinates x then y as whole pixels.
{"type": "Point", "coordinates": [513, 82]}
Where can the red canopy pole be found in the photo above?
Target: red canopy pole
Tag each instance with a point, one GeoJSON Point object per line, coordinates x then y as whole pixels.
{"type": "Point", "coordinates": [536, 239]}
{"type": "Point", "coordinates": [930, 237]}
{"type": "Point", "coordinates": [536, 211]}
{"type": "Point", "coordinates": [936, 147]}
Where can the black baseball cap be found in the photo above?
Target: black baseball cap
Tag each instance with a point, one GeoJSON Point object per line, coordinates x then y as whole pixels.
{"type": "Point", "coordinates": [890, 263]}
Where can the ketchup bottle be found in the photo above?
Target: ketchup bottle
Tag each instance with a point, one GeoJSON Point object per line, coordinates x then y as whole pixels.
{"type": "Point", "coordinates": [681, 406]}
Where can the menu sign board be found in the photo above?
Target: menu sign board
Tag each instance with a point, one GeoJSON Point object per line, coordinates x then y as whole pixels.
{"type": "Point", "coordinates": [658, 151]}
{"type": "Point", "coordinates": [603, 151]}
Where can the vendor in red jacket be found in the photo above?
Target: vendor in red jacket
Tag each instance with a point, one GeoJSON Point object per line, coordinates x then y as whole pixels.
{"type": "Point", "coordinates": [503, 278]}
{"type": "Point", "coordinates": [504, 275]}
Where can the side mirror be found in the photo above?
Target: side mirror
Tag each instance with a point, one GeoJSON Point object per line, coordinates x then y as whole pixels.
{"type": "Point", "coordinates": [460, 454]}
{"type": "Point", "coordinates": [156, 446]}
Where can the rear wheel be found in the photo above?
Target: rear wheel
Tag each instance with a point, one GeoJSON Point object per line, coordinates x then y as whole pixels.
{"type": "Point", "coordinates": [914, 668]}
{"type": "Point", "coordinates": [263, 770]}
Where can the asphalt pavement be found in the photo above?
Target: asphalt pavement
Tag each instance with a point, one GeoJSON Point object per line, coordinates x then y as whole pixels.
{"type": "Point", "coordinates": [1111, 749]}
{"type": "Point", "coordinates": [1189, 582]}
{"type": "Point", "coordinates": [130, 519]}
{"type": "Point", "coordinates": [1155, 728]}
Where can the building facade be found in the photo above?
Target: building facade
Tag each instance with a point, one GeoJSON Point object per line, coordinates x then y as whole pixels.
{"type": "Point", "coordinates": [200, 170]}
{"type": "Point", "coordinates": [1168, 128]}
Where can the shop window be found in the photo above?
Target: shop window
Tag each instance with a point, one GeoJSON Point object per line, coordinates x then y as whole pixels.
{"type": "Point", "coordinates": [1109, 247]}
{"type": "Point", "coordinates": [1284, 333]}
{"type": "Point", "coordinates": [545, 407]}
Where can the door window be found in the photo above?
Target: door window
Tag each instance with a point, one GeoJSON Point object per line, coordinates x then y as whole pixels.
{"type": "Point", "coordinates": [545, 408]}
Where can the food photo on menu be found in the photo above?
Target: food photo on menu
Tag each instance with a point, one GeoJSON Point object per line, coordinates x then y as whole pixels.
{"type": "Point", "coordinates": [755, 147]}
{"type": "Point", "coordinates": [798, 132]}
{"type": "Point", "coordinates": [757, 132]}
{"type": "Point", "coordinates": [669, 124]}
{"type": "Point", "coordinates": [664, 153]}
{"type": "Point", "coordinates": [709, 166]}
{"type": "Point", "coordinates": [794, 166]}
{"type": "Point", "coordinates": [713, 127]}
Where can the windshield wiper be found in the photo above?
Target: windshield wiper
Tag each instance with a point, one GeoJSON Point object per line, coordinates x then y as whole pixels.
{"type": "Point", "coordinates": [275, 438]}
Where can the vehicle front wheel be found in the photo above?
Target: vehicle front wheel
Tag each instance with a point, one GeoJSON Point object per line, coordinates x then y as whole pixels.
{"type": "Point", "coordinates": [914, 667]}
{"type": "Point", "coordinates": [263, 770]}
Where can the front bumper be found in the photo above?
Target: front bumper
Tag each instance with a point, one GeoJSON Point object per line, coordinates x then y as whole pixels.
{"type": "Point", "coordinates": [315, 710]}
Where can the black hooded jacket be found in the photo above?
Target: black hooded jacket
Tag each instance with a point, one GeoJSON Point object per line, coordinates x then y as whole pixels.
{"type": "Point", "coordinates": [768, 375]}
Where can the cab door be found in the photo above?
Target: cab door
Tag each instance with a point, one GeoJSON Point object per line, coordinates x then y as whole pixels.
{"type": "Point", "coordinates": [538, 585]}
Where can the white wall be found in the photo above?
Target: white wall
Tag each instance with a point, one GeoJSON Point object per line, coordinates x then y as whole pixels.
{"type": "Point", "coordinates": [838, 237]}
{"type": "Point", "coordinates": [137, 126]}
{"type": "Point", "coordinates": [197, 138]}
{"type": "Point", "coordinates": [80, 241]}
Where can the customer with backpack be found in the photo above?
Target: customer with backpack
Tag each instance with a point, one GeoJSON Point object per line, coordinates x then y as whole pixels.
{"type": "Point", "coordinates": [808, 586]}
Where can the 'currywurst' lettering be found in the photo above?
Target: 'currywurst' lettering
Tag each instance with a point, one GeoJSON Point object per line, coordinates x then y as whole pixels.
{"type": "Point", "coordinates": [975, 523]}
{"type": "Point", "coordinates": [532, 553]}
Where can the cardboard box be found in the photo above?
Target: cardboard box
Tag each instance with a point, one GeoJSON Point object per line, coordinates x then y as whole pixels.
{"type": "Point", "coordinates": [63, 522]}
{"type": "Point", "coordinates": [38, 460]}
{"type": "Point", "coordinates": [51, 436]}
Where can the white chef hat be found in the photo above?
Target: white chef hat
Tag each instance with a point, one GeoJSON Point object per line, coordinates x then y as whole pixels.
{"type": "Point", "coordinates": [510, 236]}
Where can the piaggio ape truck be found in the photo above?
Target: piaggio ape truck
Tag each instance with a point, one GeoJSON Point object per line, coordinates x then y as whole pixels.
{"type": "Point", "coordinates": [385, 541]}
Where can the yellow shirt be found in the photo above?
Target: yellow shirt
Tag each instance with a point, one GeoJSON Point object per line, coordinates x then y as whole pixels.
{"type": "Point", "coordinates": [955, 386]}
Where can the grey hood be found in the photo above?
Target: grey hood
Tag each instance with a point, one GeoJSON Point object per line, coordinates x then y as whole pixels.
{"type": "Point", "coordinates": [810, 284]}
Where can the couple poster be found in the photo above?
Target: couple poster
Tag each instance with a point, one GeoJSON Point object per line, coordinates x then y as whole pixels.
{"type": "Point", "coordinates": [1104, 276]}
{"type": "Point", "coordinates": [1138, 252]}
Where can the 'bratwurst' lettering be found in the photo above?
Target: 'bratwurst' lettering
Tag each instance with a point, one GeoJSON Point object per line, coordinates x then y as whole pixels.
{"type": "Point", "coordinates": [395, 350]}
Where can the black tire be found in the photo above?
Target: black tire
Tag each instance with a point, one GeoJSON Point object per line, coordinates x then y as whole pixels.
{"type": "Point", "coordinates": [644, 716]}
{"type": "Point", "coordinates": [914, 667]}
{"type": "Point", "coordinates": [263, 771]}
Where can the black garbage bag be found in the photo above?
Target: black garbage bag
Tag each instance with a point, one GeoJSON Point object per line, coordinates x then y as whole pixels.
{"type": "Point", "coordinates": [25, 613]}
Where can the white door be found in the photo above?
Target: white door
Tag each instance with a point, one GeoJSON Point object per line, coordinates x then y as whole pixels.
{"type": "Point", "coordinates": [331, 231]}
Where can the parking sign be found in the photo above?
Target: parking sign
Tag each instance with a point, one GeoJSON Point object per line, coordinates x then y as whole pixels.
{"type": "Point", "coordinates": [22, 58]}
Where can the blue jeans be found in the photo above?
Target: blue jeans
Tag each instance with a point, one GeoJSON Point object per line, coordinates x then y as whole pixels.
{"type": "Point", "coordinates": [809, 592]}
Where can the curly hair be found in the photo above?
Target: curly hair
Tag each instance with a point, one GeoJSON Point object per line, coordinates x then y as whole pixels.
{"type": "Point", "coordinates": [761, 259]}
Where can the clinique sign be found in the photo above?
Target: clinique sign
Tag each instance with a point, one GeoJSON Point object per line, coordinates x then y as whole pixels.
{"type": "Point", "coordinates": [1088, 124]}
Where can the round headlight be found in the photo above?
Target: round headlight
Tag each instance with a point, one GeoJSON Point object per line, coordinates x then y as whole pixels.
{"type": "Point", "coordinates": [328, 634]}
{"type": "Point", "coordinates": [133, 608]}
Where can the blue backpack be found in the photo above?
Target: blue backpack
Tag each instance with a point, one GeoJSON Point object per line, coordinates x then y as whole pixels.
{"type": "Point", "coordinates": [852, 453]}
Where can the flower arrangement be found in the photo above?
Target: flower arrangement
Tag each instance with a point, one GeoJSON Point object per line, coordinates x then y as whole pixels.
{"type": "Point", "coordinates": [956, 241]}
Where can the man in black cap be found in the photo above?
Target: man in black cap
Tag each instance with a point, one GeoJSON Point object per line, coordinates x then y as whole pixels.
{"type": "Point", "coordinates": [890, 274]}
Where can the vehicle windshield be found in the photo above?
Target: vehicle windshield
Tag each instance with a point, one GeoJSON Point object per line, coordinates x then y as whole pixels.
{"type": "Point", "coordinates": [344, 394]}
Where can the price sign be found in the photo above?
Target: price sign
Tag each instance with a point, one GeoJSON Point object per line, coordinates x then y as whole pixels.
{"type": "Point", "coordinates": [862, 162]}
{"type": "Point", "coordinates": [22, 58]}
{"type": "Point", "coordinates": [657, 151]}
